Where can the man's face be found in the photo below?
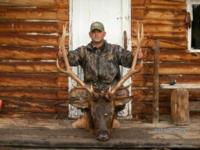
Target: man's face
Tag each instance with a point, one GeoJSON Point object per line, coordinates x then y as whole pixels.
{"type": "Point", "coordinates": [97, 36]}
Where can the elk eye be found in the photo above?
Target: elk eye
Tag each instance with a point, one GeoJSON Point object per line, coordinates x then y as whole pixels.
{"type": "Point", "coordinates": [106, 114]}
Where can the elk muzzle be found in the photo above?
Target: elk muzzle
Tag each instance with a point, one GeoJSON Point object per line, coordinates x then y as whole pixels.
{"type": "Point", "coordinates": [103, 135]}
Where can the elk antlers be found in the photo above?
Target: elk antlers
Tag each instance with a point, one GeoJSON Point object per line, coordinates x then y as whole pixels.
{"type": "Point", "coordinates": [112, 90]}
{"type": "Point", "coordinates": [133, 70]}
{"type": "Point", "coordinates": [68, 69]}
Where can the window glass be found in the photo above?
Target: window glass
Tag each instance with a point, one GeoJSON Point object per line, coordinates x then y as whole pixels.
{"type": "Point", "coordinates": [195, 44]}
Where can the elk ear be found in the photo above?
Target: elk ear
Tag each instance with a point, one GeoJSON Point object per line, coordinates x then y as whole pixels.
{"type": "Point", "coordinates": [79, 98]}
{"type": "Point", "coordinates": [79, 103]}
{"type": "Point", "coordinates": [122, 97]}
{"type": "Point", "coordinates": [122, 101]}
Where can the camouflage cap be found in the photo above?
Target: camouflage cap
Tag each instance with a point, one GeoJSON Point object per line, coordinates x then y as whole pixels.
{"type": "Point", "coordinates": [97, 25]}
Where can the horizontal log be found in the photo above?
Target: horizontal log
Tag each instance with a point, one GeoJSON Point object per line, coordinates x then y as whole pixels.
{"type": "Point", "coordinates": [164, 95]}
{"type": "Point", "coordinates": [27, 27]}
{"type": "Point", "coordinates": [28, 40]}
{"type": "Point", "coordinates": [171, 7]}
{"type": "Point", "coordinates": [33, 93]}
{"type": "Point", "coordinates": [33, 14]}
{"type": "Point", "coordinates": [159, 28]}
{"type": "Point", "coordinates": [24, 105]}
{"type": "Point", "coordinates": [158, 2]}
{"type": "Point", "coordinates": [165, 15]}
{"type": "Point", "coordinates": [142, 95]}
{"type": "Point", "coordinates": [142, 116]}
{"type": "Point", "coordinates": [193, 68]}
{"type": "Point", "coordinates": [28, 80]}
{"type": "Point", "coordinates": [165, 42]}
{"type": "Point", "coordinates": [195, 106]}
{"type": "Point", "coordinates": [180, 69]}
{"type": "Point", "coordinates": [171, 55]}
{"type": "Point", "coordinates": [35, 3]}
{"type": "Point", "coordinates": [146, 108]}
{"type": "Point", "coordinates": [160, 15]}
{"type": "Point", "coordinates": [164, 35]}
{"type": "Point", "coordinates": [137, 2]}
{"type": "Point", "coordinates": [162, 31]}
{"type": "Point", "coordinates": [28, 53]}
{"type": "Point", "coordinates": [180, 79]}
{"type": "Point", "coordinates": [28, 115]}
{"type": "Point", "coordinates": [180, 86]}
{"type": "Point", "coordinates": [151, 22]}
{"type": "Point", "coordinates": [147, 80]}
{"type": "Point", "coordinates": [167, 2]}
{"type": "Point", "coordinates": [172, 68]}
{"type": "Point", "coordinates": [29, 67]}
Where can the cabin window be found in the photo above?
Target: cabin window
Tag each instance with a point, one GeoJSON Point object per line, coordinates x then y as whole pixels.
{"type": "Point", "coordinates": [194, 31]}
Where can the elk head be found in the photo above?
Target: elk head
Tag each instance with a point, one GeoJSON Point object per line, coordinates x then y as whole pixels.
{"type": "Point", "coordinates": [100, 104]}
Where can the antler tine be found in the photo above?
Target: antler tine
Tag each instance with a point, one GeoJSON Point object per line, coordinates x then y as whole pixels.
{"type": "Point", "coordinates": [68, 70]}
{"type": "Point", "coordinates": [140, 36]}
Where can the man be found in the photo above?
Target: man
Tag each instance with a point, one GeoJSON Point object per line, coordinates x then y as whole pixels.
{"type": "Point", "coordinates": [100, 62]}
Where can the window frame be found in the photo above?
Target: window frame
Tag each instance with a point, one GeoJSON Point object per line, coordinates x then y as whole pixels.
{"type": "Point", "coordinates": [189, 9]}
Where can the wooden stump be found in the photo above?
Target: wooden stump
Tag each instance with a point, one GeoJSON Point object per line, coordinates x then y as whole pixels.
{"type": "Point", "coordinates": [180, 106]}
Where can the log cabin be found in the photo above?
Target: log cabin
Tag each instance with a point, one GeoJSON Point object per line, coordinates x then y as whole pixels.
{"type": "Point", "coordinates": [32, 87]}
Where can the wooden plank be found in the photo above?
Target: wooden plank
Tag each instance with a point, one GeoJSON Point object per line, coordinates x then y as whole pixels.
{"type": "Point", "coordinates": [33, 93]}
{"type": "Point", "coordinates": [160, 28]}
{"type": "Point", "coordinates": [178, 86]}
{"type": "Point", "coordinates": [158, 22]}
{"type": "Point", "coordinates": [174, 56]}
{"type": "Point", "coordinates": [27, 53]}
{"type": "Point", "coordinates": [173, 68]}
{"type": "Point", "coordinates": [147, 109]}
{"type": "Point", "coordinates": [163, 34]}
{"type": "Point", "coordinates": [194, 106]}
{"type": "Point", "coordinates": [138, 2]}
{"type": "Point", "coordinates": [146, 80]}
{"type": "Point", "coordinates": [142, 95]}
{"type": "Point", "coordinates": [194, 94]}
{"type": "Point", "coordinates": [30, 115]}
{"type": "Point", "coordinates": [28, 67]}
{"type": "Point", "coordinates": [180, 79]}
{"type": "Point", "coordinates": [35, 3]}
{"type": "Point", "coordinates": [137, 14]}
{"type": "Point", "coordinates": [125, 138]}
{"type": "Point", "coordinates": [165, 15]}
{"type": "Point", "coordinates": [167, 2]}
{"type": "Point", "coordinates": [33, 14]}
{"type": "Point", "coordinates": [165, 42]}
{"type": "Point", "coordinates": [24, 27]}
{"type": "Point", "coordinates": [171, 7]}
{"type": "Point", "coordinates": [156, 82]}
{"type": "Point", "coordinates": [24, 105]}
{"type": "Point", "coordinates": [28, 40]}
{"type": "Point", "coordinates": [30, 80]}
{"type": "Point", "coordinates": [154, 14]}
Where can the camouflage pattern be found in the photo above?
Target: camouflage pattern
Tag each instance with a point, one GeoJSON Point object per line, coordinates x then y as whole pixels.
{"type": "Point", "coordinates": [101, 66]}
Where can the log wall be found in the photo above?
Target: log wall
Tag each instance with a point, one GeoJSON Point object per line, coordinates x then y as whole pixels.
{"type": "Point", "coordinates": [163, 20]}
{"type": "Point", "coordinates": [30, 85]}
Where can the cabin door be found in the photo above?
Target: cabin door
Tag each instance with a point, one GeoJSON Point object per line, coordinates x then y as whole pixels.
{"type": "Point", "coordinates": [116, 17]}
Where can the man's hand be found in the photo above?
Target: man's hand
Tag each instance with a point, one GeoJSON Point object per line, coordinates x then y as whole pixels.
{"type": "Point", "coordinates": [60, 55]}
{"type": "Point", "coordinates": [140, 54]}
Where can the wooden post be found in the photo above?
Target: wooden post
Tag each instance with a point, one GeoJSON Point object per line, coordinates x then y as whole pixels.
{"type": "Point", "coordinates": [156, 83]}
{"type": "Point", "coordinates": [180, 106]}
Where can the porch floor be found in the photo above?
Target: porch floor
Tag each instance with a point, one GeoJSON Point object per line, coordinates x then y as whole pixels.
{"type": "Point", "coordinates": [58, 134]}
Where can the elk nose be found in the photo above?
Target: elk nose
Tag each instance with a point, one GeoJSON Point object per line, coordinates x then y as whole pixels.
{"type": "Point", "coordinates": [103, 136]}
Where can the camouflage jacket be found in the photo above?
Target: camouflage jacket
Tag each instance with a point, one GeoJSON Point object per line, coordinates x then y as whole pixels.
{"type": "Point", "coordinates": [101, 66]}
